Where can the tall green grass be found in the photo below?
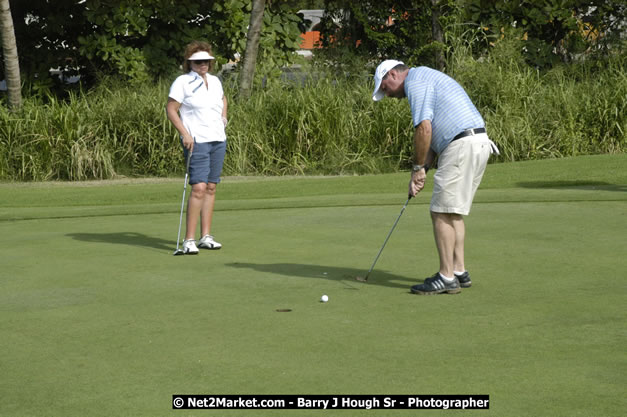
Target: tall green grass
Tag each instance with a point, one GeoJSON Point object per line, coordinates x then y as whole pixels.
{"type": "Point", "coordinates": [326, 125]}
{"type": "Point", "coordinates": [104, 133]}
{"type": "Point", "coordinates": [570, 110]}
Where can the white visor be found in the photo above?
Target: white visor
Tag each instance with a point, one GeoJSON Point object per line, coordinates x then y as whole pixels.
{"type": "Point", "coordinates": [200, 56]}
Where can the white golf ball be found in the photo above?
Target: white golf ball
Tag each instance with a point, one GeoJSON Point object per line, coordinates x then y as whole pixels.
{"type": "Point", "coordinates": [324, 298]}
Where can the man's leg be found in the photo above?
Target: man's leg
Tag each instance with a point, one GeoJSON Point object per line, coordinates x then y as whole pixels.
{"type": "Point", "coordinates": [444, 231]}
{"type": "Point", "coordinates": [449, 231]}
{"type": "Point", "coordinates": [460, 235]}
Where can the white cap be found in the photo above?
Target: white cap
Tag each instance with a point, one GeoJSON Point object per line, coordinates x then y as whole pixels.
{"type": "Point", "coordinates": [199, 56]}
{"type": "Point", "coordinates": [382, 69]}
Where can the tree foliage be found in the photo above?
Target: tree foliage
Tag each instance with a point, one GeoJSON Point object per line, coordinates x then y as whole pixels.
{"type": "Point", "coordinates": [554, 30]}
{"type": "Point", "coordinates": [140, 40]}
{"type": "Point", "coordinates": [379, 29]}
{"type": "Point", "coordinates": [143, 39]}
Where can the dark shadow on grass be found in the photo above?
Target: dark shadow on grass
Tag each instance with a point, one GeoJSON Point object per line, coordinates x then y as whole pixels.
{"type": "Point", "coordinates": [332, 273]}
{"type": "Point", "coordinates": [125, 238]}
{"type": "Point", "coordinates": [580, 185]}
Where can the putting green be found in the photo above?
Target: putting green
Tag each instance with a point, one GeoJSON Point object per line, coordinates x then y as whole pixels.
{"type": "Point", "coordinates": [98, 318]}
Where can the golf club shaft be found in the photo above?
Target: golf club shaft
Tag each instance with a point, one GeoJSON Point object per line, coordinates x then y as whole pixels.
{"type": "Point", "coordinates": [387, 238]}
{"type": "Point", "coordinates": [178, 238]}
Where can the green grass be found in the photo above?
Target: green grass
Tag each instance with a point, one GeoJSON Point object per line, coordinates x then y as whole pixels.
{"type": "Point", "coordinates": [97, 318]}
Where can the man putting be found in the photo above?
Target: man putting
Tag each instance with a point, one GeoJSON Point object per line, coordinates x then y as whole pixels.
{"type": "Point", "coordinates": [447, 125]}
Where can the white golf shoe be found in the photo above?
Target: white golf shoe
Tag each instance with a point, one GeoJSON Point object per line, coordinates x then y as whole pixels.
{"type": "Point", "coordinates": [207, 242]}
{"type": "Point", "coordinates": [189, 247]}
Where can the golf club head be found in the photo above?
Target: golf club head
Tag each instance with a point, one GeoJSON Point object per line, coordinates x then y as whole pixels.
{"type": "Point", "coordinates": [361, 279]}
{"type": "Point", "coordinates": [178, 252]}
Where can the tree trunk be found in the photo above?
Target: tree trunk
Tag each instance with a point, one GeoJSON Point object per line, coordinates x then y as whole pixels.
{"type": "Point", "coordinates": [11, 61]}
{"type": "Point", "coordinates": [436, 32]}
{"type": "Point", "coordinates": [252, 46]}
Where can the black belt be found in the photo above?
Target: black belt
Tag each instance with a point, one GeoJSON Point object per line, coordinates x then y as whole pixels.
{"type": "Point", "coordinates": [469, 132]}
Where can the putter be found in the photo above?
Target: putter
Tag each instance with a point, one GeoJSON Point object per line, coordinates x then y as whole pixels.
{"type": "Point", "coordinates": [179, 251]}
{"type": "Point", "coordinates": [365, 279]}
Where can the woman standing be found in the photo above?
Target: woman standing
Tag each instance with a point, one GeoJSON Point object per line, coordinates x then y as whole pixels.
{"type": "Point", "coordinates": [197, 108]}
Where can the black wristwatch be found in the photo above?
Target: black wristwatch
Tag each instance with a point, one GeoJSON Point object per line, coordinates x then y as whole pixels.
{"type": "Point", "coordinates": [417, 168]}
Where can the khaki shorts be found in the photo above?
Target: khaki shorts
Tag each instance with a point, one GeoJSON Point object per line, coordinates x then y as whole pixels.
{"type": "Point", "coordinates": [460, 169]}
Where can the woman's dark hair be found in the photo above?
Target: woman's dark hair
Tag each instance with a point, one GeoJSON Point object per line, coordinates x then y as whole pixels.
{"type": "Point", "coordinates": [191, 49]}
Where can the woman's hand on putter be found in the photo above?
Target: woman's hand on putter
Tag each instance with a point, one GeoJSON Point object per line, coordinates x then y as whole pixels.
{"type": "Point", "coordinates": [188, 142]}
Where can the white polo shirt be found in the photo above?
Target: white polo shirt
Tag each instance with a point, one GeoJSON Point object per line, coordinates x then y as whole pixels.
{"type": "Point", "coordinates": [201, 107]}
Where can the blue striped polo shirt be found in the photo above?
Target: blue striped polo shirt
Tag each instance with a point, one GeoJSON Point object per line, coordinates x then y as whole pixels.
{"type": "Point", "coordinates": [435, 96]}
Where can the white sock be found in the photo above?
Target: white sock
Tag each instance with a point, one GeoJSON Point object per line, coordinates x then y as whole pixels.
{"type": "Point", "coordinates": [459, 273]}
{"type": "Point", "coordinates": [447, 279]}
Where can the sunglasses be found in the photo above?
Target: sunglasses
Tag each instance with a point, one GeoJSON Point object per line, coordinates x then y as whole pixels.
{"type": "Point", "coordinates": [201, 61]}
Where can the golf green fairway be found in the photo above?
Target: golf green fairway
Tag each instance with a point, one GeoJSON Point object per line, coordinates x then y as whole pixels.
{"type": "Point", "coordinates": [97, 318]}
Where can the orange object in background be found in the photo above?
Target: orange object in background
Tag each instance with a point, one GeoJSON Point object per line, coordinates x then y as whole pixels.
{"type": "Point", "coordinates": [311, 40]}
